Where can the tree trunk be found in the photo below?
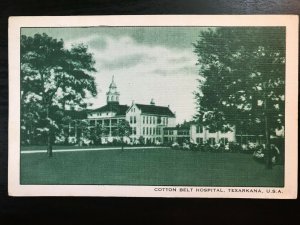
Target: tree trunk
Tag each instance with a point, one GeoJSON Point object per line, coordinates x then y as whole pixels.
{"type": "Point", "coordinates": [267, 132]}
{"type": "Point", "coordinates": [49, 138]}
{"type": "Point", "coordinates": [49, 145]}
{"type": "Point", "coordinates": [268, 149]}
{"type": "Point", "coordinates": [122, 143]}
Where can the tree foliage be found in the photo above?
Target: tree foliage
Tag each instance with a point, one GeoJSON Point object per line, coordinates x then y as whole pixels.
{"type": "Point", "coordinates": [53, 79]}
{"type": "Point", "coordinates": [123, 130]}
{"type": "Point", "coordinates": [242, 74]}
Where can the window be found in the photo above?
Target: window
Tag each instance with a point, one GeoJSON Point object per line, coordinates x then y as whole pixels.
{"type": "Point", "coordinates": [150, 119]}
{"type": "Point", "coordinates": [154, 120]}
{"type": "Point", "coordinates": [165, 132]}
{"type": "Point", "coordinates": [199, 129]}
{"type": "Point", "coordinates": [154, 130]}
{"type": "Point", "coordinates": [212, 141]}
{"type": "Point", "coordinates": [131, 119]}
{"type": "Point", "coordinates": [134, 130]}
{"type": "Point", "coordinates": [147, 120]}
{"type": "Point", "coordinates": [159, 120]}
{"type": "Point", "coordinates": [150, 131]}
{"type": "Point", "coordinates": [158, 131]}
{"type": "Point", "coordinates": [199, 140]}
{"type": "Point", "coordinates": [143, 119]}
{"type": "Point", "coordinates": [224, 140]}
{"type": "Point", "coordinates": [147, 130]}
{"type": "Point", "coordinates": [134, 119]}
{"type": "Point", "coordinates": [143, 130]}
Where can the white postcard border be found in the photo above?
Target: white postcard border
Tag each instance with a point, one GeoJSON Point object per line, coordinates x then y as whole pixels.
{"type": "Point", "coordinates": [291, 112]}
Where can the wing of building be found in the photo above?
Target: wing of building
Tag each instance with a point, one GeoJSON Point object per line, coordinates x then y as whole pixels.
{"type": "Point", "coordinates": [146, 121]}
{"type": "Point", "coordinates": [150, 124]}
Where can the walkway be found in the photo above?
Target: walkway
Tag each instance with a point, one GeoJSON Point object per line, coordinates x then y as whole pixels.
{"type": "Point", "coordinates": [93, 149]}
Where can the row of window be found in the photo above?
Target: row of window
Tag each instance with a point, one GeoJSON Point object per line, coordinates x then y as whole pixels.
{"type": "Point", "coordinates": [155, 120]}
{"type": "Point", "coordinates": [212, 141]}
{"type": "Point", "coordinates": [183, 132]}
{"type": "Point", "coordinates": [151, 131]}
{"type": "Point", "coordinates": [105, 122]}
{"type": "Point", "coordinates": [152, 140]}
{"type": "Point", "coordinates": [113, 98]}
{"type": "Point", "coordinates": [168, 132]}
{"type": "Point", "coordinates": [179, 132]}
{"type": "Point", "coordinates": [133, 120]}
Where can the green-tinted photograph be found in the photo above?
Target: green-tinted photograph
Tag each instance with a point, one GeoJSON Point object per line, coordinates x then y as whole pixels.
{"type": "Point", "coordinates": [153, 106]}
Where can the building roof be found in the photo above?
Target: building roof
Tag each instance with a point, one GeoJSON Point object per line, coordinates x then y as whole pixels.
{"type": "Point", "coordinates": [120, 110]}
{"type": "Point", "coordinates": [75, 114]}
{"type": "Point", "coordinates": [156, 110]}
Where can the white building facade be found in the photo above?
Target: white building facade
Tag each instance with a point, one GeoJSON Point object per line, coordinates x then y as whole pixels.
{"type": "Point", "coordinates": [200, 134]}
{"type": "Point", "coordinates": [150, 124]}
{"type": "Point", "coordinates": [146, 121]}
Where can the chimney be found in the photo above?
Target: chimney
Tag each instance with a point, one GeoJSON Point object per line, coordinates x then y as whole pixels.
{"type": "Point", "coordinates": [152, 102]}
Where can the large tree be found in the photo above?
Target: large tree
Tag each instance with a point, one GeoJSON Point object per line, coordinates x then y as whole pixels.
{"type": "Point", "coordinates": [242, 75]}
{"type": "Point", "coordinates": [53, 79]}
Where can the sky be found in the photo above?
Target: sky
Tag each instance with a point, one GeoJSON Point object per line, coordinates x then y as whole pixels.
{"type": "Point", "coordinates": [147, 62]}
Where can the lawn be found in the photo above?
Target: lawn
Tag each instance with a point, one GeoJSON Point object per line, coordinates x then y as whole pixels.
{"type": "Point", "coordinates": [148, 167]}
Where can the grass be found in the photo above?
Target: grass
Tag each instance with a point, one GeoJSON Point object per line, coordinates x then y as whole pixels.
{"type": "Point", "coordinates": [148, 167]}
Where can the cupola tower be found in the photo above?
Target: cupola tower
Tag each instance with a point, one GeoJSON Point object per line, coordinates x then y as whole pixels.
{"type": "Point", "coordinates": [112, 96]}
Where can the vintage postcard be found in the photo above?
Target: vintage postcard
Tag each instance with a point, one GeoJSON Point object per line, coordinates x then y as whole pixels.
{"type": "Point", "coordinates": [153, 106]}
